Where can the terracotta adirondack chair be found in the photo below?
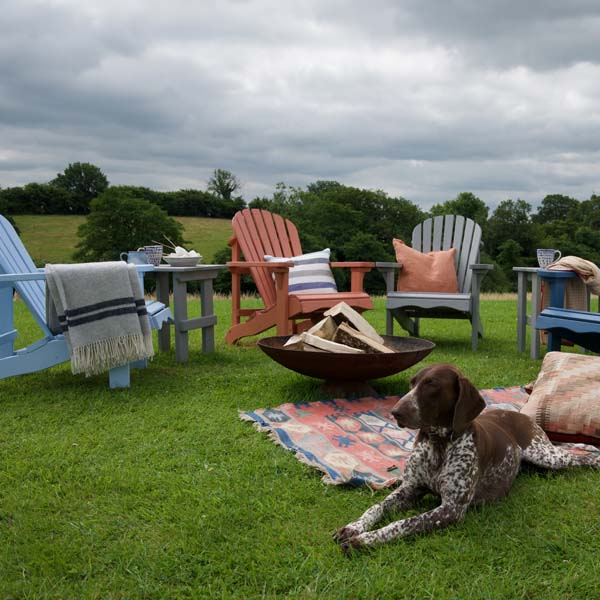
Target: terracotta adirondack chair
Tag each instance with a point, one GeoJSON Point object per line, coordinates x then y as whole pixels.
{"type": "Point", "coordinates": [18, 272]}
{"type": "Point", "coordinates": [257, 233]}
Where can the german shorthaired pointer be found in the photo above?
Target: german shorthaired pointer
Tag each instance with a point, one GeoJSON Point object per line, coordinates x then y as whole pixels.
{"type": "Point", "coordinates": [462, 457]}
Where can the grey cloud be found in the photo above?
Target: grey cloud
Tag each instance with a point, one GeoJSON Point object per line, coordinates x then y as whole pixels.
{"type": "Point", "coordinates": [420, 99]}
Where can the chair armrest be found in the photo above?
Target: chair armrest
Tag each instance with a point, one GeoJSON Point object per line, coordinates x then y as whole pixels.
{"type": "Point", "coordinates": [13, 277]}
{"type": "Point", "coordinates": [243, 266]}
{"type": "Point", "coordinates": [481, 268]}
{"type": "Point", "coordinates": [357, 273]}
{"type": "Point", "coordinates": [479, 271]}
{"type": "Point", "coordinates": [271, 265]}
{"type": "Point", "coordinates": [386, 266]}
{"type": "Point", "coordinates": [388, 270]}
{"type": "Point", "coordinates": [353, 265]}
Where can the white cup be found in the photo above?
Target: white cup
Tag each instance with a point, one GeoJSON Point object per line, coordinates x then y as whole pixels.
{"type": "Point", "coordinates": [135, 257]}
{"type": "Point", "coordinates": [547, 256]}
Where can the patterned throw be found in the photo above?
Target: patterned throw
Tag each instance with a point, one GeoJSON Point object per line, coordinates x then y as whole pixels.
{"type": "Point", "coordinates": [101, 310]}
{"type": "Point", "coordinates": [357, 442]}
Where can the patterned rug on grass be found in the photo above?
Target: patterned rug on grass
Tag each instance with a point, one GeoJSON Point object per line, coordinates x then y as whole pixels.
{"type": "Point", "coordinates": [357, 441]}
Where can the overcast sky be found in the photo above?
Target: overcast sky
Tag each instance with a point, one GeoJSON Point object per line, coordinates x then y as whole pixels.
{"type": "Point", "coordinates": [421, 99]}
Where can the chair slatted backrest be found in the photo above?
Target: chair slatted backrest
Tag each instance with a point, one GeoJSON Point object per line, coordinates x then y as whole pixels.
{"type": "Point", "coordinates": [14, 258]}
{"type": "Point", "coordinates": [259, 232]}
{"type": "Point", "coordinates": [451, 231]}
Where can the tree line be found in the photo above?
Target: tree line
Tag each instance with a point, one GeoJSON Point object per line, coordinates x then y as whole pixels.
{"type": "Point", "coordinates": [357, 224]}
{"type": "Point", "coordinates": [71, 193]}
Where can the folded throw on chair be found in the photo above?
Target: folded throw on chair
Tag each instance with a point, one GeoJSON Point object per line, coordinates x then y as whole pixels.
{"type": "Point", "coordinates": [100, 309]}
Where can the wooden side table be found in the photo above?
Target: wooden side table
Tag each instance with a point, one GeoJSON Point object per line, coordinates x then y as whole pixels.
{"type": "Point", "coordinates": [180, 277]}
{"type": "Point", "coordinates": [525, 274]}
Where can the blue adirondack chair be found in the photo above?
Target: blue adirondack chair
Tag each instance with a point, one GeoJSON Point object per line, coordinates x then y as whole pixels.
{"type": "Point", "coordinates": [578, 326]}
{"type": "Point", "coordinates": [18, 272]}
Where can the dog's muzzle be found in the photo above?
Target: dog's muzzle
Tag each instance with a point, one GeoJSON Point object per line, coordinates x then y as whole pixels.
{"type": "Point", "coordinates": [406, 411]}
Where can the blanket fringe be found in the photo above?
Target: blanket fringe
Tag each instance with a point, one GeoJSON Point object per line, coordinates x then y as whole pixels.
{"type": "Point", "coordinates": [105, 354]}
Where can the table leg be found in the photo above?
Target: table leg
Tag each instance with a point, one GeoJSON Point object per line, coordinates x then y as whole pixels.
{"type": "Point", "coordinates": [521, 310]}
{"type": "Point", "coordinates": [180, 315]}
{"type": "Point", "coordinates": [536, 285]}
{"type": "Point", "coordinates": [206, 310]}
{"type": "Point", "coordinates": [162, 295]}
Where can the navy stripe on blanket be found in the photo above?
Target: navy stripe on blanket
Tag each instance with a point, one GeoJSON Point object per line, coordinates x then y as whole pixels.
{"type": "Point", "coordinates": [125, 310]}
{"type": "Point", "coordinates": [74, 312]}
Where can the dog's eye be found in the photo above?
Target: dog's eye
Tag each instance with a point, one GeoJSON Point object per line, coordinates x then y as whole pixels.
{"type": "Point", "coordinates": [431, 382]}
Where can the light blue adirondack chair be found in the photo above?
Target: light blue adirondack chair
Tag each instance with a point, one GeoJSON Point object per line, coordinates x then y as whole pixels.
{"type": "Point", "coordinates": [18, 272]}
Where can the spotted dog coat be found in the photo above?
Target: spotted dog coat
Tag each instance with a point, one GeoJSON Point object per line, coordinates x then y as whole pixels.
{"type": "Point", "coordinates": [462, 457]}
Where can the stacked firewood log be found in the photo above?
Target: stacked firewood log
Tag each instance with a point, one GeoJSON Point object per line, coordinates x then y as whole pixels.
{"type": "Point", "coordinates": [342, 329]}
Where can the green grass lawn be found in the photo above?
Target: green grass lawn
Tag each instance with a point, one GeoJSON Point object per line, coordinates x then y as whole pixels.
{"type": "Point", "coordinates": [52, 238]}
{"type": "Point", "coordinates": [161, 491]}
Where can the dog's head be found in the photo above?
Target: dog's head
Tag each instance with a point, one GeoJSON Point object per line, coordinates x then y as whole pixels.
{"type": "Point", "coordinates": [439, 396]}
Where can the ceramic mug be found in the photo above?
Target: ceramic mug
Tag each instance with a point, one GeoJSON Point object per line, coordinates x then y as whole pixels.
{"type": "Point", "coordinates": [154, 254]}
{"type": "Point", "coordinates": [547, 256]}
{"type": "Point", "coordinates": [135, 257]}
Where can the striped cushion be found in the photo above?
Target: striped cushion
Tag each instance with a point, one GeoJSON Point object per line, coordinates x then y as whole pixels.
{"type": "Point", "coordinates": [311, 273]}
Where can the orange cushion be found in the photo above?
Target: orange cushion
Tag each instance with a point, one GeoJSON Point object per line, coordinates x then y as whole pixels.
{"type": "Point", "coordinates": [431, 272]}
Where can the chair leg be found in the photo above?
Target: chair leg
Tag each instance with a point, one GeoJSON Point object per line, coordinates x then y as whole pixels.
{"type": "Point", "coordinates": [119, 377]}
{"type": "Point", "coordinates": [389, 322]}
{"type": "Point", "coordinates": [554, 340]}
{"type": "Point", "coordinates": [408, 324]}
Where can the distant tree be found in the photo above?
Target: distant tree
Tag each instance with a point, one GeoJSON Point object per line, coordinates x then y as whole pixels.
{"type": "Point", "coordinates": [4, 211]}
{"type": "Point", "coordinates": [571, 226]}
{"type": "Point", "coordinates": [43, 198]}
{"type": "Point", "coordinates": [36, 199]}
{"type": "Point", "coordinates": [223, 184]}
{"type": "Point", "coordinates": [119, 221]}
{"type": "Point", "coordinates": [357, 224]}
{"type": "Point", "coordinates": [555, 207]}
{"type": "Point", "coordinates": [85, 181]}
{"type": "Point", "coordinates": [465, 204]}
{"type": "Point", "coordinates": [509, 254]}
{"type": "Point", "coordinates": [512, 220]}
{"type": "Point", "coordinates": [588, 212]}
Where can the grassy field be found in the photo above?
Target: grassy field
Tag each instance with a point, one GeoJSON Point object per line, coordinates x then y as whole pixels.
{"type": "Point", "coordinates": [52, 238]}
{"type": "Point", "coordinates": [160, 491]}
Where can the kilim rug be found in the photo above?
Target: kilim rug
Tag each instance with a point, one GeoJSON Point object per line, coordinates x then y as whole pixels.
{"type": "Point", "coordinates": [357, 441]}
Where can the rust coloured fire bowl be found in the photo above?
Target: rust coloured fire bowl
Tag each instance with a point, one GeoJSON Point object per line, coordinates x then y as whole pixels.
{"type": "Point", "coordinates": [351, 369]}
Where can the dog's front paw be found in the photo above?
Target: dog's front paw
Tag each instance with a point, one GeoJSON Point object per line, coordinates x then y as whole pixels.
{"type": "Point", "coordinates": [345, 533]}
{"type": "Point", "coordinates": [352, 544]}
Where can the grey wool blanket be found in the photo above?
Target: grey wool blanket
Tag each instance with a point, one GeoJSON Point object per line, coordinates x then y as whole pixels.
{"type": "Point", "coordinates": [100, 309]}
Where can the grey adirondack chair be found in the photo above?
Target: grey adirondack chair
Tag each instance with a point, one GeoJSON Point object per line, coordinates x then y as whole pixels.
{"type": "Point", "coordinates": [440, 233]}
{"type": "Point", "coordinates": [18, 272]}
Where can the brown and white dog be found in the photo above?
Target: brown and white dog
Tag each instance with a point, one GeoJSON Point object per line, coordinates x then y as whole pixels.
{"type": "Point", "coordinates": [460, 456]}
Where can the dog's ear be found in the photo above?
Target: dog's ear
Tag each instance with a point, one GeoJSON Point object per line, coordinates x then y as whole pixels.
{"type": "Point", "coordinates": [468, 406]}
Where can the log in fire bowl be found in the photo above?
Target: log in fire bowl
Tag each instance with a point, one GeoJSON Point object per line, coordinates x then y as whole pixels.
{"type": "Point", "coordinates": [347, 374]}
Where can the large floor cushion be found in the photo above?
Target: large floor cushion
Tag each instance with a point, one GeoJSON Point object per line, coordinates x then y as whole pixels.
{"type": "Point", "coordinates": [565, 397]}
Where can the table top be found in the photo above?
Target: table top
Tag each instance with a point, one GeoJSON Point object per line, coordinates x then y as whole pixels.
{"type": "Point", "coordinates": [526, 269]}
{"type": "Point", "coordinates": [547, 273]}
{"type": "Point", "coordinates": [199, 267]}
